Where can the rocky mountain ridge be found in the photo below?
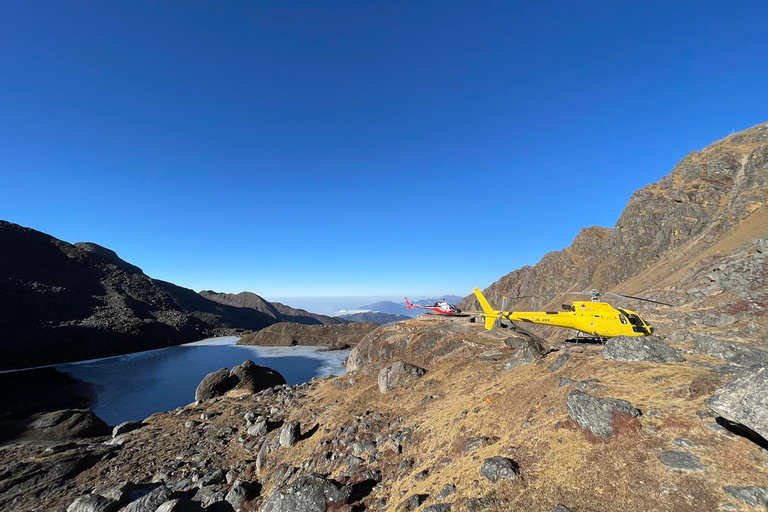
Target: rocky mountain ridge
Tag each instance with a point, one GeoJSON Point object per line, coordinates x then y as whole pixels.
{"type": "Point", "coordinates": [675, 241]}
{"type": "Point", "coordinates": [63, 302]}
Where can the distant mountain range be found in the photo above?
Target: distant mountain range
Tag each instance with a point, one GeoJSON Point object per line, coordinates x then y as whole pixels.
{"type": "Point", "coordinates": [62, 302]}
{"type": "Point", "coordinates": [375, 317]}
{"type": "Point", "coordinates": [399, 308]}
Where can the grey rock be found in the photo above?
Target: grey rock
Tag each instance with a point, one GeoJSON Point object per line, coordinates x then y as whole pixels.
{"type": "Point", "coordinates": [210, 494]}
{"type": "Point", "coordinates": [561, 508]}
{"type": "Point", "coordinates": [92, 503]}
{"type": "Point", "coordinates": [479, 504]}
{"type": "Point", "coordinates": [475, 443]}
{"type": "Point", "coordinates": [214, 384]}
{"type": "Point", "coordinates": [411, 503]}
{"type": "Point", "coordinates": [214, 478]}
{"type": "Point", "coordinates": [254, 378]}
{"type": "Point", "coordinates": [289, 434]}
{"type": "Point", "coordinates": [119, 492]}
{"type": "Point", "coordinates": [646, 349]}
{"type": "Point", "coordinates": [307, 494]}
{"type": "Point", "coordinates": [525, 353]}
{"type": "Point", "coordinates": [399, 374]}
{"type": "Point", "coordinates": [180, 505]}
{"type": "Point", "coordinates": [499, 468]}
{"type": "Point", "coordinates": [240, 492]}
{"type": "Point", "coordinates": [744, 401]}
{"type": "Point", "coordinates": [438, 507]}
{"type": "Point", "coordinates": [445, 492]}
{"type": "Point", "coordinates": [149, 502]}
{"type": "Point", "coordinates": [682, 442]}
{"type": "Point", "coordinates": [559, 362]}
{"type": "Point", "coordinates": [681, 461]}
{"type": "Point", "coordinates": [259, 427]}
{"type": "Point", "coordinates": [563, 381]}
{"type": "Point", "coordinates": [126, 426]}
{"type": "Point", "coordinates": [596, 414]}
{"type": "Point", "coordinates": [66, 424]}
{"type": "Point", "coordinates": [751, 495]}
{"type": "Point", "coordinates": [735, 353]}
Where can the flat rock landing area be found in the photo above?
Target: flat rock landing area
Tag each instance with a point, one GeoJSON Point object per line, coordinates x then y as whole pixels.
{"type": "Point", "coordinates": [432, 416]}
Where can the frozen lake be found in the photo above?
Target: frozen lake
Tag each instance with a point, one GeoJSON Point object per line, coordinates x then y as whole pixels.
{"type": "Point", "coordinates": [134, 386]}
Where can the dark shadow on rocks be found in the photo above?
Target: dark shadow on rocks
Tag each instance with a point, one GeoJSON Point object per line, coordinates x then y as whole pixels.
{"type": "Point", "coordinates": [309, 433]}
{"type": "Point", "coordinates": [584, 341]}
{"type": "Point", "coordinates": [273, 425]}
{"type": "Point", "coordinates": [361, 489]}
{"type": "Point", "coordinates": [742, 431]}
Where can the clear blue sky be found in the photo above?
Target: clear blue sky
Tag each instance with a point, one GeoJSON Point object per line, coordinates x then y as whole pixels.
{"type": "Point", "coordinates": [357, 148]}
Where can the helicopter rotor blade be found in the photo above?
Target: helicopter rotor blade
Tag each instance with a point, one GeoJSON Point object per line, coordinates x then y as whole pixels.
{"type": "Point", "coordinates": [637, 298]}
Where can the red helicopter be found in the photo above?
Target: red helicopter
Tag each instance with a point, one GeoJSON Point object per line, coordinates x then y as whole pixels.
{"type": "Point", "coordinates": [438, 307]}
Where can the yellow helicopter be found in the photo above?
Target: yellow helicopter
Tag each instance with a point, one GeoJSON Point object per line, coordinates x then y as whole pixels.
{"type": "Point", "coordinates": [594, 318]}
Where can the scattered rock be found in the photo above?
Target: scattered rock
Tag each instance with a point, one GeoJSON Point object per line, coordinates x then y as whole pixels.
{"type": "Point", "coordinates": [399, 374]}
{"type": "Point", "coordinates": [438, 507]}
{"type": "Point", "coordinates": [479, 504]}
{"type": "Point", "coordinates": [645, 349]}
{"type": "Point", "coordinates": [119, 492]}
{"type": "Point", "coordinates": [259, 427]}
{"type": "Point", "coordinates": [445, 492]}
{"type": "Point", "coordinates": [597, 414]}
{"type": "Point", "coordinates": [125, 427]}
{"type": "Point", "coordinates": [240, 492]}
{"type": "Point", "coordinates": [559, 362]}
{"type": "Point", "coordinates": [92, 503]}
{"type": "Point", "coordinates": [307, 494]}
{"type": "Point", "coordinates": [526, 352]}
{"type": "Point", "coordinates": [682, 442]}
{"type": "Point", "coordinates": [752, 495]}
{"type": "Point", "coordinates": [681, 461]}
{"type": "Point", "coordinates": [499, 468]}
{"type": "Point", "coordinates": [561, 508]}
{"type": "Point", "coordinates": [289, 434]}
{"type": "Point", "coordinates": [562, 382]}
{"type": "Point", "coordinates": [475, 443]}
{"type": "Point", "coordinates": [744, 401]}
{"type": "Point", "coordinates": [180, 505]}
{"type": "Point", "coordinates": [412, 503]}
{"type": "Point", "coordinates": [735, 353]}
{"type": "Point", "coordinates": [149, 502]}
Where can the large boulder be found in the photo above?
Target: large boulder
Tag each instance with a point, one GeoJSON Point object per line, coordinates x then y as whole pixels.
{"type": "Point", "coordinates": [735, 353]}
{"type": "Point", "coordinates": [214, 384]}
{"type": "Point", "coordinates": [597, 414]}
{"type": "Point", "coordinates": [399, 374]}
{"type": "Point", "coordinates": [255, 378]}
{"type": "Point", "coordinates": [744, 401]}
{"type": "Point", "coordinates": [93, 503]}
{"type": "Point", "coordinates": [526, 352]}
{"type": "Point", "coordinates": [311, 493]}
{"type": "Point", "coordinates": [66, 424]}
{"type": "Point", "coordinates": [640, 349]}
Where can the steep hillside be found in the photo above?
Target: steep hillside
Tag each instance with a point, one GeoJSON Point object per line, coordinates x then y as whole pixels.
{"type": "Point", "coordinates": [695, 239]}
{"type": "Point", "coordinates": [280, 312]}
{"type": "Point", "coordinates": [64, 302]}
{"type": "Point", "coordinates": [288, 334]}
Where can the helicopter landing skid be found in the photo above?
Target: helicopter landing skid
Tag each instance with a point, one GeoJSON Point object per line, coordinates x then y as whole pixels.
{"type": "Point", "coordinates": [587, 339]}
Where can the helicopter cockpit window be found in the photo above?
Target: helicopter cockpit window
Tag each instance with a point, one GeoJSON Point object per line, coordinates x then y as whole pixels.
{"type": "Point", "coordinates": [622, 318]}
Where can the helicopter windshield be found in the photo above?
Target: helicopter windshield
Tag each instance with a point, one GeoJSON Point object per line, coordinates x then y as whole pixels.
{"type": "Point", "coordinates": [637, 323]}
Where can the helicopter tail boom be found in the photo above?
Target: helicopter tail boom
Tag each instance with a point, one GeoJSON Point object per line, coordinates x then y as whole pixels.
{"type": "Point", "coordinates": [488, 312]}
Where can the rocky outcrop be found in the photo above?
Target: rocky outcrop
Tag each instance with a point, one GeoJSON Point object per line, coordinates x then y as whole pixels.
{"type": "Point", "coordinates": [597, 414]}
{"type": "Point", "coordinates": [247, 376]}
{"type": "Point", "coordinates": [496, 469]}
{"type": "Point", "coordinates": [744, 401]}
{"type": "Point", "coordinates": [692, 239]}
{"type": "Point", "coordinates": [375, 317]}
{"type": "Point", "coordinates": [399, 374]}
{"type": "Point", "coordinates": [287, 334]}
{"type": "Point", "coordinates": [646, 349]}
{"type": "Point", "coordinates": [309, 494]}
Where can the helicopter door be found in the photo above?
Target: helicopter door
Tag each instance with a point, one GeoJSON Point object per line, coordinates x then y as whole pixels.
{"type": "Point", "coordinates": [637, 323]}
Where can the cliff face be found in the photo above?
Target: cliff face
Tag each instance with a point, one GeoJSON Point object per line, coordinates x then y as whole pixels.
{"type": "Point", "coordinates": [709, 211]}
